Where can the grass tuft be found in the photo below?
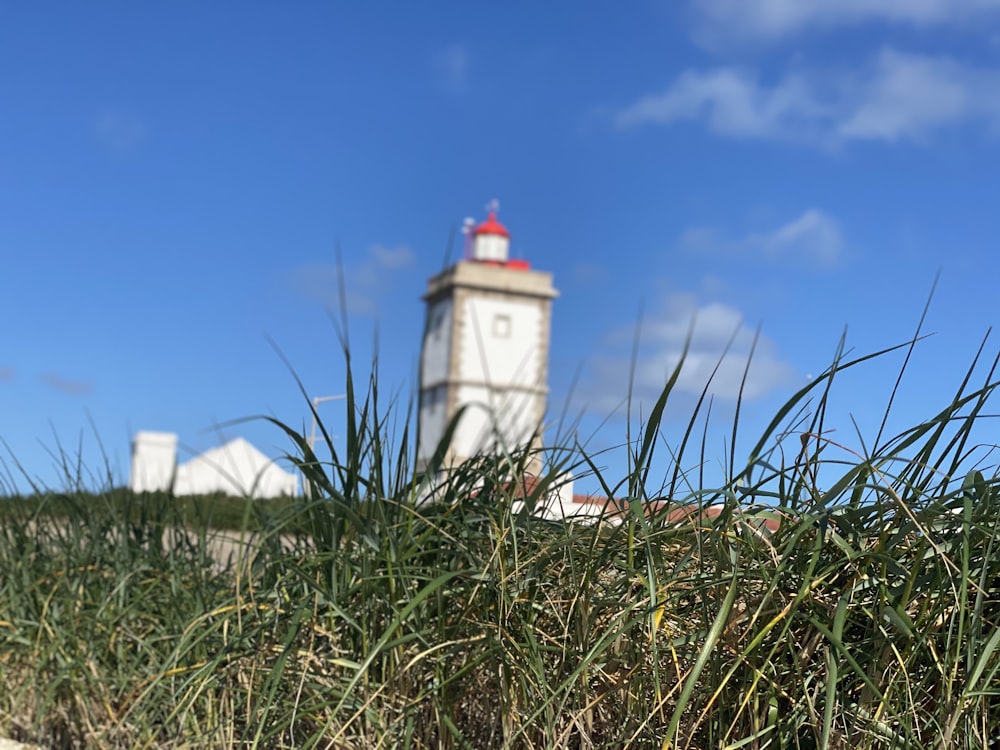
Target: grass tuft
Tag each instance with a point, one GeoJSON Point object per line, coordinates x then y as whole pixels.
{"type": "Point", "coordinates": [822, 597]}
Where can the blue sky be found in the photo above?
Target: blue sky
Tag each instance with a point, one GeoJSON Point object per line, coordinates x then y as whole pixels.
{"type": "Point", "coordinates": [175, 181]}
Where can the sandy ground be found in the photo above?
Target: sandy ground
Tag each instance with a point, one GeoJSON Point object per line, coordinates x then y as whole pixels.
{"type": "Point", "coordinates": [226, 546]}
{"type": "Point", "coordinates": [11, 745]}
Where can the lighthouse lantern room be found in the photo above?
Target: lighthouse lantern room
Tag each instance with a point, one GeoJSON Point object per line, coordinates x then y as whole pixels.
{"type": "Point", "coordinates": [491, 240]}
{"type": "Point", "coordinates": [486, 347]}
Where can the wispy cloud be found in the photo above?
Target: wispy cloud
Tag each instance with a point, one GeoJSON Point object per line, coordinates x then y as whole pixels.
{"type": "Point", "coordinates": [732, 102]}
{"type": "Point", "coordinates": [709, 328]}
{"type": "Point", "coordinates": [910, 96]}
{"type": "Point", "coordinates": [120, 132]}
{"type": "Point", "coordinates": [813, 238]}
{"type": "Point", "coordinates": [67, 386]}
{"type": "Point", "coordinates": [451, 67]}
{"type": "Point", "coordinates": [7, 374]}
{"type": "Point", "coordinates": [365, 281]}
{"type": "Point", "coordinates": [897, 96]}
{"type": "Point", "coordinates": [771, 19]}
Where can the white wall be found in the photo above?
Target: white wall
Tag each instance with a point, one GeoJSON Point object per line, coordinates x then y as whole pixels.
{"type": "Point", "coordinates": [514, 414]}
{"type": "Point", "coordinates": [433, 420]}
{"type": "Point", "coordinates": [487, 356]}
{"type": "Point", "coordinates": [436, 353]}
{"type": "Point", "coordinates": [435, 360]}
{"type": "Point", "coordinates": [154, 461]}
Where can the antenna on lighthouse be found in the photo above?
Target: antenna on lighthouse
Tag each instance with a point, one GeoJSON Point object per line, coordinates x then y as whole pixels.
{"type": "Point", "coordinates": [493, 206]}
{"type": "Point", "coordinates": [467, 228]}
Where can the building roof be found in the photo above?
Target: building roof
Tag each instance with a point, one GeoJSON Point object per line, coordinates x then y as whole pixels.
{"type": "Point", "coordinates": [491, 226]}
{"type": "Point", "coordinates": [614, 509]}
{"type": "Point", "coordinates": [672, 513]}
{"type": "Point", "coordinates": [236, 468]}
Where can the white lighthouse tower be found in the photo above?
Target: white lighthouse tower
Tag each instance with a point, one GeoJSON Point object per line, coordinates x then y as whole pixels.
{"type": "Point", "coordinates": [486, 347]}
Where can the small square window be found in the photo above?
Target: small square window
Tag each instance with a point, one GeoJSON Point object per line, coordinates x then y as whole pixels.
{"type": "Point", "coordinates": [501, 326]}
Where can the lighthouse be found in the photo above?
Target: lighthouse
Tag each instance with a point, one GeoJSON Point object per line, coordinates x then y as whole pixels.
{"type": "Point", "coordinates": [486, 348]}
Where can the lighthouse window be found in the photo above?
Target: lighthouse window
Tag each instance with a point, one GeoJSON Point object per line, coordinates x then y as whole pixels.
{"type": "Point", "coordinates": [434, 399]}
{"type": "Point", "coordinates": [501, 326]}
{"type": "Point", "coordinates": [437, 323]}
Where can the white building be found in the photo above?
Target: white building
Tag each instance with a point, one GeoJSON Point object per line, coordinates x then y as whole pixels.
{"type": "Point", "coordinates": [236, 468]}
{"type": "Point", "coordinates": [154, 461]}
{"type": "Point", "coordinates": [486, 347]}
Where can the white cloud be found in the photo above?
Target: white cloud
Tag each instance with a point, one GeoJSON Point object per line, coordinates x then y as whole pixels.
{"type": "Point", "coordinates": [732, 103]}
{"type": "Point", "coordinates": [911, 95]}
{"type": "Point", "coordinates": [896, 97]}
{"type": "Point", "coordinates": [711, 328]}
{"type": "Point", "coordinates": [365, 281]}
{"type": "Point", "coordinates": [770, 19]}
{"type": "Point", "coordinates": [813, 238]}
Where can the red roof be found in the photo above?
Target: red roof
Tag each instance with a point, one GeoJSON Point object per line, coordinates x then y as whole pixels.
{"type": "Point", "coordinates": [673, 513]}
{"type": "Point", "coordinates": [491, 226]}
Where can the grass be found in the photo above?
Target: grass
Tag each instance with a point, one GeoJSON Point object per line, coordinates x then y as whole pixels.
{"type": "Point", "coordinates": [433, 610]}
{"type": "Point", "coordinates": [217, 512]}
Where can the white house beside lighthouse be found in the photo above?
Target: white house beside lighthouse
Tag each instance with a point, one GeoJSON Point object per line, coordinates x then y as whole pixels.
{"type": "Point", "coordinates": [486, 347]}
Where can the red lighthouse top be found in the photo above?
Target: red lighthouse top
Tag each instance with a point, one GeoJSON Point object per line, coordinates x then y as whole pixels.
{"type": "Point", "coordinates": [491, 226]}
{"type": "Point", "coordinates": [490, 242]}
